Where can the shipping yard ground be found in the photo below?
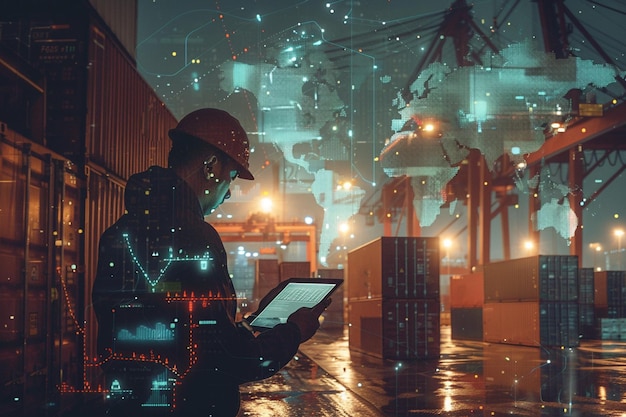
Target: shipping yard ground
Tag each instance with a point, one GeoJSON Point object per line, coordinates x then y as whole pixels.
{"type": "Point", "coordinates": [471, 378]}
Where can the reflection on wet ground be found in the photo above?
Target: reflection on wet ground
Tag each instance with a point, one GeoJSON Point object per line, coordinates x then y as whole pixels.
{"type": "Point", "coordinates": [470, 378]}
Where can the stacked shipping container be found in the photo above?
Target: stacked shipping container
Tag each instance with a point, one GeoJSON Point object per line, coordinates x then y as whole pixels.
{"type": "Point", "coordinates": [60, 189]}
{"type": "Point", "coordinates": [586, 313]}
{"type": "Point", "coordinates": [610, 294]}
{"type": "Point", "coordinates": [532, 301]}
{"type": "Point", "coordinates": [609, 307]}
{"type": "Point", "coordinates": [467, 296]}
{"type": "Point", "coordinates": [393, 297]}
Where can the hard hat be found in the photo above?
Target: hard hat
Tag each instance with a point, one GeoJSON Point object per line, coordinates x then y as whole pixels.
{"type": "Point", "coordinates": [219, 129]}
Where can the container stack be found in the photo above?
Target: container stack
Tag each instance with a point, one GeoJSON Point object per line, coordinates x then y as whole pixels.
{"type": "Point", "coordinates": [532, 301]}
{"type": "Point", "coordinates": [610, 294]}
{"type": "Point", "coordinates": [586, 314]}
{"type": "Point", "coordinates": [393, 298]}
{"type": "Point", "coordinates": [467, 296]}
{"type": "Point", "coordinates": [609, 299]}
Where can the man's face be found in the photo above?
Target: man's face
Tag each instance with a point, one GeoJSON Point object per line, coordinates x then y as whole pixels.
{"type": "Point", "coordinates": [217, 185]}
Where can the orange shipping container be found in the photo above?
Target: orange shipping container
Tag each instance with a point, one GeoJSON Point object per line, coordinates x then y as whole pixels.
{"type": "Point", "coordinates": [532, 323]}
{"type": "Point", "coordinates": [467, 290]}
{"type": "Point", "coordinates": [513, 323]}
{"type": "Point", "coordinates": [394, 267]}
{"type": "Point", "coordinates": [600, 295]}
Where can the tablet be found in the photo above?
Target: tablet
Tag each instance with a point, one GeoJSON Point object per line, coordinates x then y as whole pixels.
{"type": "Point", "coordinates": [297, 292]}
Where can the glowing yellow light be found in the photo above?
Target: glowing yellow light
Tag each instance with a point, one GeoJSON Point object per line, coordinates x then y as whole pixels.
{"type": "Point", "coordinates": [173, 53]}
{"type": "Point", "coordinates": [266, 204]}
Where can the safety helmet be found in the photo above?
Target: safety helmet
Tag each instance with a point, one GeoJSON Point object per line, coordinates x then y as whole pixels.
{"type": "Point", "coordinates": [219, 129]}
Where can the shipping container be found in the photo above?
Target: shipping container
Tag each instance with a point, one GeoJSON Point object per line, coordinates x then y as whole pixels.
{"type": "Point", "coordinates": [334, 317]}
{"type": "Point", "coordinates": [294, 269]}
{"type": "Point", "coordinates": [600, 296]}
{"type": "Point", "coordinates": [40, 194]}
{"type": "Point", "coordinates": [532, 323]}
{"type": "Point", "coordinates": [513, 323]}
{"type": "Point", "coordinates": [587, 321]}
{"type": "Point", "coordinates": [467, 323]}
{"type": "Point", "coordinates": [467, 290]}
{"type": "Point", "coordinates": [585, 285]}
{"type": "Point", "coordinates": [541, 277]}
{"type": "Point", "coordinates": [267, 276]}
{"type": "Point", "coordinates": [395, 328]}
{"type": "Point", "coordinates": [99, 108]}
{"type": "Point", "coordinates": [559, 323]}
{"type": "Point", "coordinates": [612, 328]}
{"type": "Point", "coordinates": [60, 188]}
{"type": "Point", "coordinates": [610, 294]}
{"type": "Point", "coordinates": [394, 267]}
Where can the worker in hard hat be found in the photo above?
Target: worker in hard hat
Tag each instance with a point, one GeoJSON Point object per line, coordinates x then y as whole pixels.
{"type": "Point", "coordinates": [165, 303]}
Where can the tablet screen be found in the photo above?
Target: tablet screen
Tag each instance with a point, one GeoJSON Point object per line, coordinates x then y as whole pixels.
{"type": "Point", "coordinates": [291, 298]}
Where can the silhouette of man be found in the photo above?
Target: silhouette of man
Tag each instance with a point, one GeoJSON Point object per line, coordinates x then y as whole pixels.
{"type": "Point", "coordinates": [168, 340]}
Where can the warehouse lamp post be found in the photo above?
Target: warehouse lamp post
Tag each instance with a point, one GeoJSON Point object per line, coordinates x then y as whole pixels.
{"type": "Point", "coordinates": [619, 233]}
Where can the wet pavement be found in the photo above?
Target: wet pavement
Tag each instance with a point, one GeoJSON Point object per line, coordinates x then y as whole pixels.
{"type": "Point", "coordinates": [471, 378]}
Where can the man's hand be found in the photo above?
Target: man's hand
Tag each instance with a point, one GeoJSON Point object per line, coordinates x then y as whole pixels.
{"type": "Point", "coordinates": [307, 319]}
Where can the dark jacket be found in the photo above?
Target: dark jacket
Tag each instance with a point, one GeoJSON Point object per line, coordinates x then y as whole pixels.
{"type": "Point", "coordinates": [166, 306]}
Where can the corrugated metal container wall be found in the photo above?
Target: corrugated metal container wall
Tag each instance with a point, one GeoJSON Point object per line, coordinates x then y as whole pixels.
{"type": "Point", "coordinates": [267, 277]}
{"type": "Point", "coordinates": [364, 271]}
{"type": "Point", "coordinates": [365, 326]}
{"type": "Point", "coordinates": [512, 323]}
{"type": "Point", "coordinates": [558, 324]}
{"type": "Point", "coordinates": [532, 323]}
{"type": "Point", "coordinates": [40, 255]}
{"type": "Point", "coordinates": [411, 329]}
{"type": "Point", "coordinates": [585, 285]}
{"type": "Point", "coordinates": [395, 267]}
{"type": "Point", "coordinates": [615, 288]}
{"type": "Point", "coordinates": [395, 328]}
{"type": "Point", "coordinates": [121, 17]}
{"type": "Point", "coordinates": [127, 124]}
{"type": "Point", "coordinates": [467, 323]}
{"type": "Point", "coordinates": [541, 277]}
{"type": "Point", "coordinates": [586, 310]}
{"type": "Point", "coordinates": [467, 290]}
{"type": "Point", "coordinates": [104, 204]}
{"type": "Point", "coordinates": [600, 298]}
{"type": "Point", "coordinates": [294, 269]}
{"type": "Point", "coordinates": [612, 329]}
{"type": "Point", "coordinates": [610, 294]}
